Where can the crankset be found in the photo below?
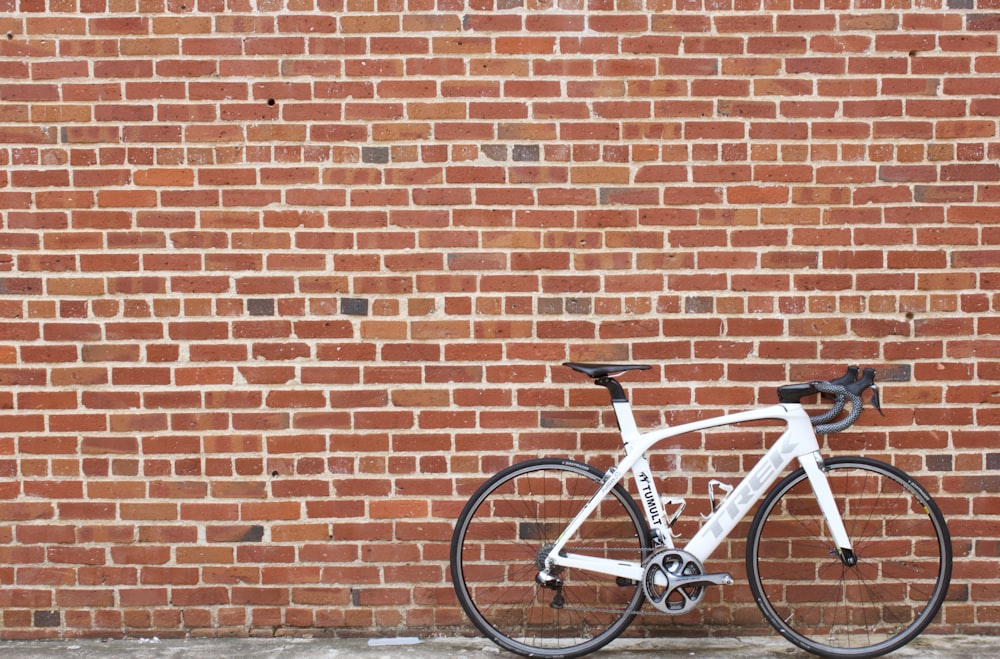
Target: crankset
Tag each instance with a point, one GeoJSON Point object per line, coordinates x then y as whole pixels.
{"type": "Point", "coordinates": [674, 581]}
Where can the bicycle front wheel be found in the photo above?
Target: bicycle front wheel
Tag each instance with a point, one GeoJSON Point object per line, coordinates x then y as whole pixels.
{"type": "Point", "coordinates": [903, 568]}
{"type": "Point", "coordinates": [500, 544]}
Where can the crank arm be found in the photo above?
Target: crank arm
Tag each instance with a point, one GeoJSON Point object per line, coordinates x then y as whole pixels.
{"type": "Point", "coordinates": [693, 581]}
{"type": "Point", "coordinates": [697, 580]}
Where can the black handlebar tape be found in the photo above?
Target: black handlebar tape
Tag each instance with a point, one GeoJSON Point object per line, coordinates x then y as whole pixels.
{"type": "Point", "coordinates": [842, 393]}
{"type": "Point", "coordinates": [838, 406]}
{"type": "Point", "coordinates": [840, 401]}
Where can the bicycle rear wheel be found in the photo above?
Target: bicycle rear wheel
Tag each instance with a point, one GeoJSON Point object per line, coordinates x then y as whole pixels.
{"type": "Point", "coordinates": [883, 602]}
{"type": "Point", "coordinates": [501, 541]}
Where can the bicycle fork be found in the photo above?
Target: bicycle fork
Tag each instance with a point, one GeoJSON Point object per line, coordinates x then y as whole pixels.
{"type": "Point", "coordinates": [813, 466]}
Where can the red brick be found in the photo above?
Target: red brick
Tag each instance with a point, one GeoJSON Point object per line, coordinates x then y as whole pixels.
{"type": "Point", "coordinates": [298, 299]}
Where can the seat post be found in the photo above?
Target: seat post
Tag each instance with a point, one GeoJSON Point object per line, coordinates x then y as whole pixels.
{"type": "Point", "coordinates": [601, 373]}
{"type": "Point", "coordinates": [622, 407]}
{"type": "Point", "coordinates": [612, 385]}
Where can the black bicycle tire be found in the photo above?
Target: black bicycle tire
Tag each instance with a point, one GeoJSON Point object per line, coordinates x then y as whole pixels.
{"type": "Point", "coordinates": [466, 600]}
{"type": "Point", "coordinates": [920, 621]}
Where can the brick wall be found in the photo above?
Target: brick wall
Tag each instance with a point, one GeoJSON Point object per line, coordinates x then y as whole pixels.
{"type": "Point", "coordinates": [281, 281]}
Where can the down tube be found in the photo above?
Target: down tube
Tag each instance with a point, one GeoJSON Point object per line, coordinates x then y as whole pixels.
{"type": "Point", "coordinates": [735, 506]}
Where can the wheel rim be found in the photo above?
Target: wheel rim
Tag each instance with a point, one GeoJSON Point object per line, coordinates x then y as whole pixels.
{"type": "Point", "coordinates": [874, 607]}
{"type": "Point", "coordinates": [505, 533]}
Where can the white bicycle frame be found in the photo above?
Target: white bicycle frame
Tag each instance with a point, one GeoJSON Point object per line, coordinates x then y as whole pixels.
{"type": "Point", "coordinates": [797, 442]}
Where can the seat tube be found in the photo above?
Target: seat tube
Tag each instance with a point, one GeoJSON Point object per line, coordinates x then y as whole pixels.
{"type": "Point", "coordinates": [626, 421]}
{"type": "Point", "coordinates": [652, 505]}
{"type": "Point", "coordinates": [811, 464]}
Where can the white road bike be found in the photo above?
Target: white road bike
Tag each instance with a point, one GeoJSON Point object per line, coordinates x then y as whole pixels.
{"type": "Point", "coordinates": [845, 557]}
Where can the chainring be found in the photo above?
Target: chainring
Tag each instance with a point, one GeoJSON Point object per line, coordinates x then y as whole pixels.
{"type": "Point", "coordinates": [661, 585]}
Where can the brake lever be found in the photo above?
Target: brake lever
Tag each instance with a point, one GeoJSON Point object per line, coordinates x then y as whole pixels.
{"type": "Point", "coordinates": [875, 401]}
{"type": "Point", "coordinates": [867, 381]}
{"type": "Point", "coordinates": [847, 378]}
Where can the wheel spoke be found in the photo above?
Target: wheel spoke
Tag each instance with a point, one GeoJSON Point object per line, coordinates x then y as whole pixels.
{"type": "Point", "coordinates": [900, 580]}
{"type": "Point", "coordinates": [502, 540]}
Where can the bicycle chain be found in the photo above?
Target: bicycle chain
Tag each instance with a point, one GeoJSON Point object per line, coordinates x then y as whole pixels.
{"type": "Point", "coordinates": [639, 611]}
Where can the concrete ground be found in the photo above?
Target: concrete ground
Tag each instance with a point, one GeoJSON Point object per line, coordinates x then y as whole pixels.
{"type": "Point", "coordinates": [925, 647]}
